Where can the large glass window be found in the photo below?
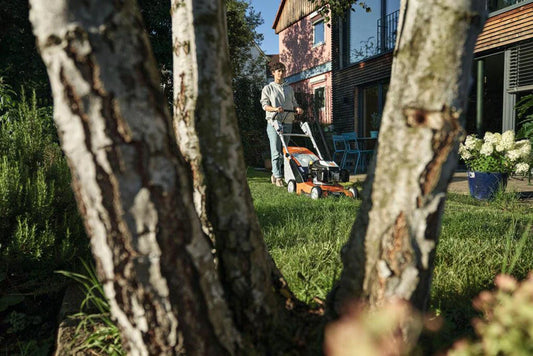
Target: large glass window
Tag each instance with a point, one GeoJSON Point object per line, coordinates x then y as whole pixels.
{"type": "Point", "coordinates": [363, 31]}
{"type": "Point", "coordinates": [372, 103]}
{"type": "Point", "coordinates": [373, 32]}
{"type": "Point", "coordinates": [485, 109]}
{"type": "Point", "coordinates": [495, 5]}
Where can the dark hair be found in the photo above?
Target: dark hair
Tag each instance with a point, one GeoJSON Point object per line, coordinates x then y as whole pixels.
{"type": "Point", "coordinates": [277, 65]}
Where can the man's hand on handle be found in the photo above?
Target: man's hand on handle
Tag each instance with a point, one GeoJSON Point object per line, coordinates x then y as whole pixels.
{"type": "Point", "coordinates": [277, 125]}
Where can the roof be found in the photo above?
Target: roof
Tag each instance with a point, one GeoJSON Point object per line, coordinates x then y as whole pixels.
{"type": "Point", "coordinates": [278, 14]}
{"type": "Point", "coordinates": [290, 12]}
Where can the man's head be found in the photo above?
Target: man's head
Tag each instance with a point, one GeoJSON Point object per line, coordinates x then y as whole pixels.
{"type": "Point", "coordinates": [277, 66]}
{"type": "Point", "coordinates": [278, 71]}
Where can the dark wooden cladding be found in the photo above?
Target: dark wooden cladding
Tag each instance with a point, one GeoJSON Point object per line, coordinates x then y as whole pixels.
{"type": "Point", "coordinates": [506, 28]}
{"type": "Point", "coordinates": [347, 80]}
{"type": "Point", "coordinates": [290, 12]}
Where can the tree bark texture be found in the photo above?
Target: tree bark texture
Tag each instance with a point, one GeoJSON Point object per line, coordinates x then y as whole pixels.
{"type": "Point", "coordinates": [134, 181]}
{"type": "Point", "coordinates": [207, 131]}
{"type": "Point", "coordinates": [132, 186]}
{"type": "Point", "coordinates": [391, 249]}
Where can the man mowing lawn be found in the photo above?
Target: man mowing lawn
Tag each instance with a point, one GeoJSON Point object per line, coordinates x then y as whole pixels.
{"type": "Point", "coordinates": [275, 98]}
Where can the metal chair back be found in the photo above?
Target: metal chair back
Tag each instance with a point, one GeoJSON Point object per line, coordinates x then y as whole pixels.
{"type": "Point", "coordinates": [339, 149]}
{"type": "Point", "coordinates": [353, 150]}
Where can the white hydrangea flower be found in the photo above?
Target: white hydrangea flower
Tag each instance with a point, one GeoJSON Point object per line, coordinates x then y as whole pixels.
{"type": "Point", "coordinates": [521, 168]}
{"type": "Point", "coordinates": [464, 152]}
{"type": "Point", "coordinates": [507, 141]}
{"type": "Point", "coordinates": [492, 138]}
{"type": "Point", "coordinates": [524, 148]}
{"type": "Point", "coordinates": [472, 143]}
{"type": "Point", "coordinates": [500, 147]}
{"type": "Point", "coordinates": [487, 149]}
{"type": "Point", "coordinates": [497, 138]}
{"type": "Point", "coordinates": [513, 155]}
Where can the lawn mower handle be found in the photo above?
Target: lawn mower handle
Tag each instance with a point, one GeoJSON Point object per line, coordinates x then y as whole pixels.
{"type": "Point", "coordinates": [284, 110]}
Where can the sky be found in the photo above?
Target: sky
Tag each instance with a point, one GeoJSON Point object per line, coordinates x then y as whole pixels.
{"type": "Point", "coordinates": [268, 10]}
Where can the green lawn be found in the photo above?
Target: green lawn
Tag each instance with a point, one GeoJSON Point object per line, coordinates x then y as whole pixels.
{"type": "Point", "coordinates": [478, 241]}
{"type": "Point", "coordinates": [305, 236]}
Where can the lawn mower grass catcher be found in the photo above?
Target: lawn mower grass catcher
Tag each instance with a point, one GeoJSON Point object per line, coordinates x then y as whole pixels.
{"type": "Point", "coordinates": [308, 173]}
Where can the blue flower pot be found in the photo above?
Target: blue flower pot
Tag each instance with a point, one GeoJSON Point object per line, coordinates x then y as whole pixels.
{"type": "Point", "coordinates": [485, 185]}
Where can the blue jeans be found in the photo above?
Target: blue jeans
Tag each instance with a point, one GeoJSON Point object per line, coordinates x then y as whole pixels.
{"type": "Point", "coordinates": [276, 148]}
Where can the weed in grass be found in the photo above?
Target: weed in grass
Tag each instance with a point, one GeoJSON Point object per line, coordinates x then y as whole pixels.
{"type": "Point", "coordinates": [515, 248]}
{"type": "Point", "coordinates": [96, 333]}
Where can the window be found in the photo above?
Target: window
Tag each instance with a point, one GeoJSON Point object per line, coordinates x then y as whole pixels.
{"type": "Point", "coordinates": [368, 34]}
{"type": "Point", "coordinates": [495, 5]}
{"type": "Point", "coordinates": [372, 101]}
{"type": "Point", "coordinates": [318, 32]}
{"type": "Point", "coordinates": [520, 67]}
{"type": "Point", "coordinates": [485, 111]}
{"type": "Point", "coordinates": [363, 32]}
{"type": "Point", "coordinates": [320, 99]}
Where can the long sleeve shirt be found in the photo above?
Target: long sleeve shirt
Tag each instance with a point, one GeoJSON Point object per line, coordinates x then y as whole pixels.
{"type": "Point", "coordinates": [276, 95]}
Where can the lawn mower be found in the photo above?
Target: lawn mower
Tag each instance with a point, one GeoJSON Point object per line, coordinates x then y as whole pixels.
{"type": "Point", "coordinates": [308, 173]}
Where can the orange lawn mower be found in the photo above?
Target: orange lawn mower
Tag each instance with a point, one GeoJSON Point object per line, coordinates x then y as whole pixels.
{"type": "Point", "coordinates": [308, 173]}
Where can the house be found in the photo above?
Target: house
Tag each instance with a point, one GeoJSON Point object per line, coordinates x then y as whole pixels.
{"type": "Point", "coordinates": [305, 49]}
{"type": "Point", "coordinates": [503, 66]}
{"type": "Point", "coordinates": [362, 59]}
{"type": "Point", "coordinates": [344, 69]}
{"type": "Point", "coordinates": [253, 67]}
{"type": "Point", "coordinates": [363, 43]}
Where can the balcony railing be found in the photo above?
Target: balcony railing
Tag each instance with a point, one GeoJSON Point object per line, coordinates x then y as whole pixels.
{"type": "Point", "coordinates": [387, 28]}
{"type": "Point", "coordinates": [382, 42]}
{"type": "Point", "coordinates": [496, 5]}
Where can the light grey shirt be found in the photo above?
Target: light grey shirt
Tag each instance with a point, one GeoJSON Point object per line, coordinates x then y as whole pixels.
{"type": "Point", "coordinates": [276, 95]}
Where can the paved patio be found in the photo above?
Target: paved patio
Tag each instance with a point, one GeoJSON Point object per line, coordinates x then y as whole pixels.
{"type": "Point", "coordinates": [459, 184]}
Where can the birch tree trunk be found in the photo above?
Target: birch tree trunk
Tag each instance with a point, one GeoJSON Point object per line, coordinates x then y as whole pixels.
{"type": "Point", "coordinates": [132, 186]}
{"type": "Point", "coordinates": [135, 188]}
{"type": "Point", "coordinates": [391, 250]}
{"type": "Point", "coordinates": [206, 127]}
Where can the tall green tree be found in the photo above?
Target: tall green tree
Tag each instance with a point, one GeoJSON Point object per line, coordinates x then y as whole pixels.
{"type": "Point", "coordinates": [242, 21]}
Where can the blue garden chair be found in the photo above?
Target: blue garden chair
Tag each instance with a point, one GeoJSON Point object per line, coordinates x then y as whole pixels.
{"type": "Point", "coordinates": [339, 149]}
{"type": "Point", "coordinates": [354, 152]}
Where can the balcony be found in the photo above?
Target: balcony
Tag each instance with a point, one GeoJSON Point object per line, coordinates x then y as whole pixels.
{"type": "Point", "coordinates": [497, 5]}
{"type": "Point", "coordinates": [387, 28]}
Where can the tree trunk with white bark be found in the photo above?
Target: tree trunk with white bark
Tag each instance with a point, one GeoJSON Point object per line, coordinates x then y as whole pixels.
{"type": "Point", "coordinates": [166, 204]}
{"type": "Point", "coordinates": [132, 186]}
{"type": "Point", "coordinates": [392, 246]}
{"type": "Point", "coordinates": [207, 132]}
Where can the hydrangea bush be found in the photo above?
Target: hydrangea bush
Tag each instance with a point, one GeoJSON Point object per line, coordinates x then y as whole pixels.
{"type": "Point", "coordinates": [506, 325]}
{"type": "Point", "coordinates": [496, 152]}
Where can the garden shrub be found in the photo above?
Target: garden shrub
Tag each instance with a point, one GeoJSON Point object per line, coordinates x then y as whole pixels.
{"type": "Point", "coordinates": [251, 120]}
{"type": "Point", "coordinates": [40, 228]}
{"type": "Point", "coordinates": [39, 222]}
{"type": "Point", "coordinates": [506, 325]}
